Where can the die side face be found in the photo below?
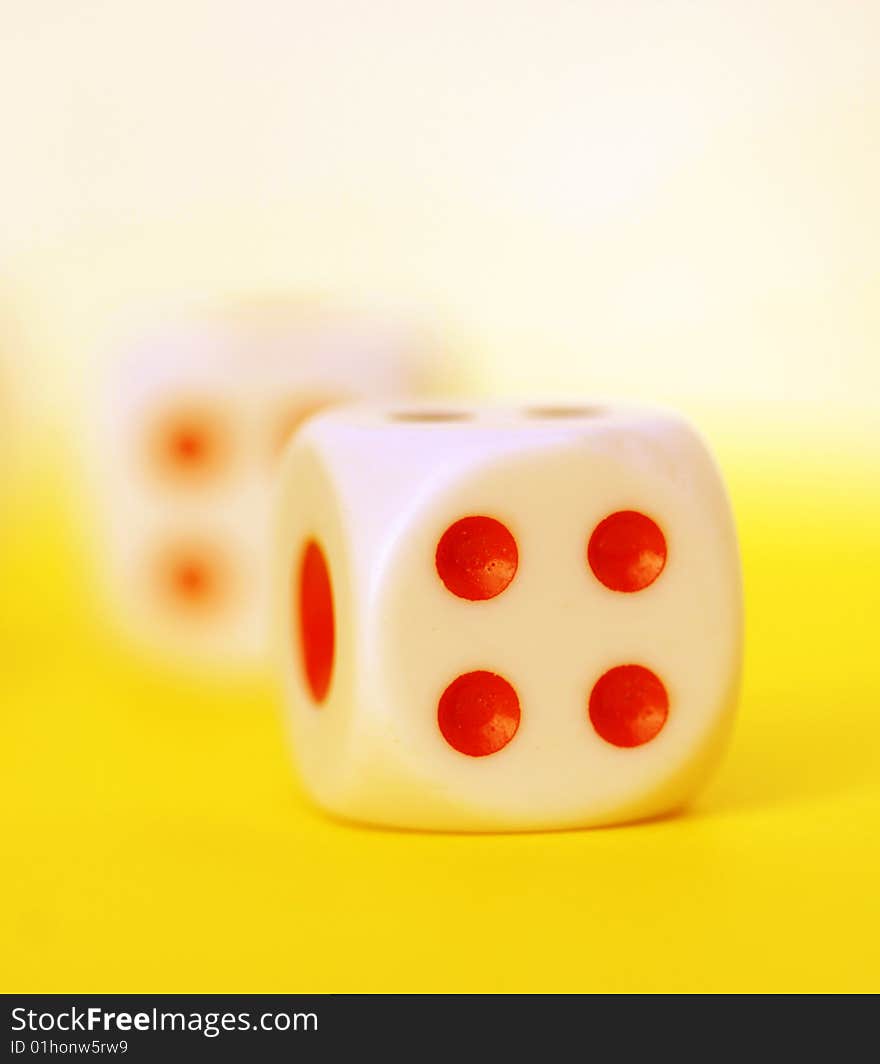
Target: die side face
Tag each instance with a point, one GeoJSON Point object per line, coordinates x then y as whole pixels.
{"type": "Point", "coordinates": [558, 636]}
{"type": "Point", "coordinates": [179, 476]}
{"type": "Point", "coordinates": [193, 435]}
{"type": "Point", "coordinates": [317, 617]}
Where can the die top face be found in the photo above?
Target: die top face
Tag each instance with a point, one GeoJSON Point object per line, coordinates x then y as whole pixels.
{"type": "Point", "coordinates": [476, 416]}
{"type": "Point", "coordinates": [549, 622]}
{"type": "Point", "coordinates": [474, 432]}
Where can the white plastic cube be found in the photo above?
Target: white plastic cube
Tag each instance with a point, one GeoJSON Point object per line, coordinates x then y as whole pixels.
{"type": "Point", "coordinates": [192, 425]}
{"type": "Point", "coordinates": [506, 619]}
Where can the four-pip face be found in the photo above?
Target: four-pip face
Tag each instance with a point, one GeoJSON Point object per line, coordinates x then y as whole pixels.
{"type": "Point", "coordinates": [477, 558]}
{"type": "Point", "coordinates": [539, 627]}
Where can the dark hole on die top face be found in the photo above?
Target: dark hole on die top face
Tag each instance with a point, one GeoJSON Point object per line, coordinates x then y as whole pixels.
{"type": "Point", "coordinates": [562, 412]}
{"type": "Point", "coordinates": [429, 416]}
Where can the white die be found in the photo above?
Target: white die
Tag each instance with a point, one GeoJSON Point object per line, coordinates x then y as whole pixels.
{"type": "Point", "coordinates": [190, 430]}
{"type": "Point", "coordinates": [506, 619]}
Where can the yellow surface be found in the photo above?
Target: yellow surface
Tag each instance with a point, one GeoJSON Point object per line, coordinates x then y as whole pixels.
{"type": "Point", "coordinates": [155, 840]}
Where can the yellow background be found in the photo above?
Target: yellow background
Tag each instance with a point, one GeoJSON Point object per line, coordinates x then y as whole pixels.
{"type": "Point", "coordinates": [155, 839]}
{"type": "Point", "coordinates": [663, 201]}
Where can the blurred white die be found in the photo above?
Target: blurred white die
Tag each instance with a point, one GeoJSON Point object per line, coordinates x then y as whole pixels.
{"type": "Point", "coordinates": [506, 618]}
{"type": "Point", "coordinates": [193, 425]}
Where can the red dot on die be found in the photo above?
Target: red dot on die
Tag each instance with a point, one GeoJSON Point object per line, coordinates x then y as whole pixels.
{"type": "Point", "coordinates": [477, 558]}
{"type": "Point", "coordinates": [478, 713]}
{"type": "Point", "coordinates": [627, 551]}
{"type": "Point", "coordinates": [629, 705]}
{"type": "Point", "coordinates": [188, 445]}
{"type": "Point", "coordinates": [317, 629]}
